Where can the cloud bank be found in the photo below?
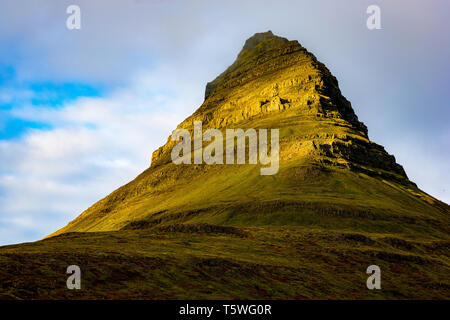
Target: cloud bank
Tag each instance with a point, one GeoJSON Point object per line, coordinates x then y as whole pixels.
{"type": "Point", "coordinates": [95, 145]}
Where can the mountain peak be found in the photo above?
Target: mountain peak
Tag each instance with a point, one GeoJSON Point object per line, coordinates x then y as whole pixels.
{"type": "Point", "coordinates": [327, 162]}
{"type": "Point", "coordinates": [254, 40]}
{"type": "Point", "coordinates": [254, 46]}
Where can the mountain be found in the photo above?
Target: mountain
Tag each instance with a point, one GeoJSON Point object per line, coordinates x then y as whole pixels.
{"type": "Point", "coordinates": [337, 203]}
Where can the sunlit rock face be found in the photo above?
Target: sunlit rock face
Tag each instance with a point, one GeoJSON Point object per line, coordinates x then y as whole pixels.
{"type": "Point", "coordinates": [275, 78]}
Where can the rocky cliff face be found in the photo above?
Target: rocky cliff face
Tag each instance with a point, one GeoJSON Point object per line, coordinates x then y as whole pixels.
{"type": "Point", "coordinates": [273, 77]}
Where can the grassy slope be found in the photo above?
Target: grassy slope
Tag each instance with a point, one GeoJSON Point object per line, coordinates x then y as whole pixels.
{"type": "Point", "coordinates": [312, 232]}
{"type": "Point", "coordinates": [256, 263]}
{"type": "Point", "coordinates": [308, 233]}
{"type": "Point", "coordinates": [304, 192]}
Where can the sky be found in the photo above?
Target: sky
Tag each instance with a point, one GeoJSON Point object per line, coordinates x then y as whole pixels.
{"type": "Point", "coordinates": [81, 111]}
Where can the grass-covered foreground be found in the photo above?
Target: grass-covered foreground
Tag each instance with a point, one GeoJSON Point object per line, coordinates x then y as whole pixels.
{"type": "Point", "coordinates": [210, 262]}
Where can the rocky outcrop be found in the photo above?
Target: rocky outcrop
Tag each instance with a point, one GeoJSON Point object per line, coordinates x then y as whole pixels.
{"type": "Point", "coordinates": [274, 77]}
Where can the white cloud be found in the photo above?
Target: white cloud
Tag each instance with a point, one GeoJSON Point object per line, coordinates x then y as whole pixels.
{"type": "Point", "coordinates": [48, 177]}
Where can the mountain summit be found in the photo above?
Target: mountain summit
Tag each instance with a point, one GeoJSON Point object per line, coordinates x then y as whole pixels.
{"type": "Point", "coordinates": [337, 204]}
{"type": "Point", "coordinates": [327, 161]}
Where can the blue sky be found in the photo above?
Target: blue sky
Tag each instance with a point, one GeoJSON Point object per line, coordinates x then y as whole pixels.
{"type": "Point", "coordinates": [50, 94]}
{"type": "Point", "coordinates": [81, 111]}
